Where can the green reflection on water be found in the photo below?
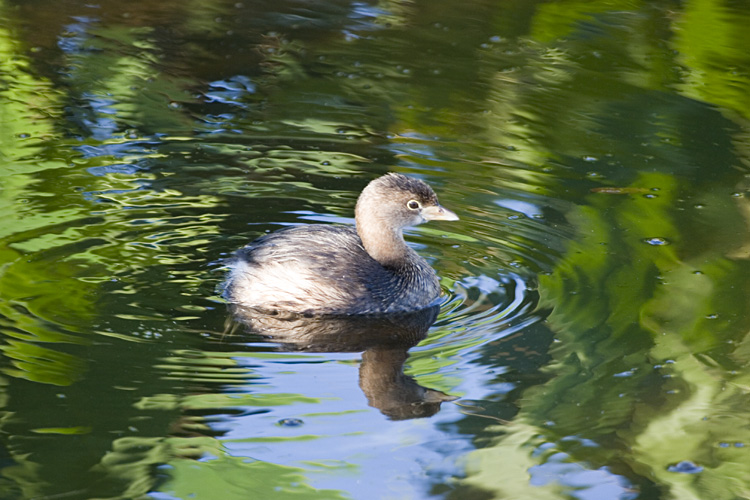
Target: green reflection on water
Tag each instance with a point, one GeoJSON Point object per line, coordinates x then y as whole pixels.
{"type": "Point", "coordinates": [651, 334]}
{"type": "Point", "coordinates": [236, 477]}
{"type": "Point", "coordinates": [709, 38]}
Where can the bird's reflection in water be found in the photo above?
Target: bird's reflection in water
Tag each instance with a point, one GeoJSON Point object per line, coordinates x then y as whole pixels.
{"type": "Point", "coordinates": [384, 341]}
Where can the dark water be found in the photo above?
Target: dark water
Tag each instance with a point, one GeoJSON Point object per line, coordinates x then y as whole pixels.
{"type": "Point", "coordinates": [592, 343]}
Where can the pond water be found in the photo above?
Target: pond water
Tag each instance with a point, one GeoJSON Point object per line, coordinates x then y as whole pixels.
{"type": "Point", "coordinates": [593, 338]}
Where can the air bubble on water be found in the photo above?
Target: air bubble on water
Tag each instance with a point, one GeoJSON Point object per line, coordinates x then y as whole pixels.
{"type": "Point", "coordinates": [290, 422]}
{"type": "Point", "coordinates": [656, 241]}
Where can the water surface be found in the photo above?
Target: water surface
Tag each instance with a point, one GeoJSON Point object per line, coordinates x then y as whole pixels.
{"type": "Point", "coordinates": [591, 343]}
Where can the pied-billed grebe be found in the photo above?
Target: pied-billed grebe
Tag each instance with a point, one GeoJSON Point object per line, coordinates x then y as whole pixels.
{"type": "Point", "coordinates": [322, 269]}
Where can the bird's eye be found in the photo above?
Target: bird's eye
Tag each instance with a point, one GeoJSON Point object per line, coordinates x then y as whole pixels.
{"type": "Point", "coordinates": [413, 204]}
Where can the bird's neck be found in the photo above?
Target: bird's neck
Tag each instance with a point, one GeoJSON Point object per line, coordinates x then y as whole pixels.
{"type": "Point", "coordinates": [383, 242]}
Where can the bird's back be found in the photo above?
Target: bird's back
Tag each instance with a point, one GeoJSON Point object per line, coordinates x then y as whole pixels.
{"type": "Point", "coordinates": [324, 269]}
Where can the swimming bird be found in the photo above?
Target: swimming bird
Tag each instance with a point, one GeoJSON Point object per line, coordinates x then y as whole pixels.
{"type": "Point", "coordinates": [321, 269]}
